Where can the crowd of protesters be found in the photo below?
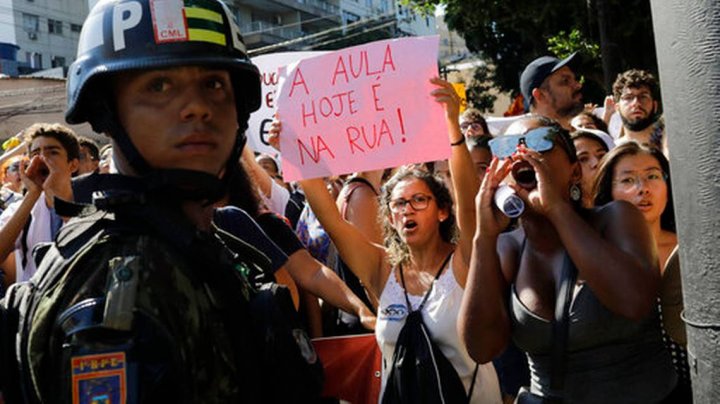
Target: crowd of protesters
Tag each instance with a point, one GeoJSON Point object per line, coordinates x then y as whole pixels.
{"type": "Point", "coordinates": [355, 249]}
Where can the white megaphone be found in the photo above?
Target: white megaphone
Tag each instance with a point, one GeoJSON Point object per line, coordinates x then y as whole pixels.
{"type": "Point", "coordinates": [508, 201]}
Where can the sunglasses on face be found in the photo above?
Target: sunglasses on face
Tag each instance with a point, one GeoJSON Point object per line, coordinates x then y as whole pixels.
{"type": "Point", "coordinates": [476, 126]}
{"type": "Point", "coordinates": [539, 139]}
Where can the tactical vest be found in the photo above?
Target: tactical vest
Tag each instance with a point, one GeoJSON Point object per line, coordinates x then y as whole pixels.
{"type": "Point", "coordinates": [137, 306]}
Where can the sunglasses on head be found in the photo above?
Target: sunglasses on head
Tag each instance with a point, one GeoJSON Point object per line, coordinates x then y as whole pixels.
{"type": "Point", "coordinates": [539, 139]}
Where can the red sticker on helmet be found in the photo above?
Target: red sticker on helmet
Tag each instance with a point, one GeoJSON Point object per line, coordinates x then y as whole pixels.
{"type": "Point", "coordinates": [168, 19]}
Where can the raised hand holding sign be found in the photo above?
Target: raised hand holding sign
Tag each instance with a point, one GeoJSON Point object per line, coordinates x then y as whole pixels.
{"type": "Point", "coordinates": [362, 108]}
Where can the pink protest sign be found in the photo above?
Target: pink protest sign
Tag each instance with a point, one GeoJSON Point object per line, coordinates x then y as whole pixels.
{"type": "Point", "coordinates": [271, 67]}
{"type": "Point", "coordinates": [361, 108]}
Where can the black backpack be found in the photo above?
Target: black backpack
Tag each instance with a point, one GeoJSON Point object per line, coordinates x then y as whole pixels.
{"type": "Point", "coordinates": [420, 372]}
{"type": "Point", "coordinates": [62, 315]}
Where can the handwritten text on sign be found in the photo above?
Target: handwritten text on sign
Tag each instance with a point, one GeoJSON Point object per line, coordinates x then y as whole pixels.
{"type": "Point", "coordinates": [361, 108]}
{"type": "Point", "coordinates": [271, 67]}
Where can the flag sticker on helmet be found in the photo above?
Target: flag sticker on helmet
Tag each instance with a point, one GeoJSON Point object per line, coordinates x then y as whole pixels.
{"type": "Point", "coordinates": [205, 25]}
{"type": "Point", "coordinates": [175, 20]}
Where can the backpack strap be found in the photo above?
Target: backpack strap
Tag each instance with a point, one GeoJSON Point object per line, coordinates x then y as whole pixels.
{"type": "Point", "coordinates": [427, 294]}
{"type": "Point", "coordinates": [422, 304]}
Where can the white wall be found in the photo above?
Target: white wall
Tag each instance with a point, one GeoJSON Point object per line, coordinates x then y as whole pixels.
{"type": "Point", "coordinates": [7, 22]}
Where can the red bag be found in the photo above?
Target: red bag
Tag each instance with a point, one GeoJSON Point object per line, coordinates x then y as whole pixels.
{"type": "Point", "coordinates": [352, 367]}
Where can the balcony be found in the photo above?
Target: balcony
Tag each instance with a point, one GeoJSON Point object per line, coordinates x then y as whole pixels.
{"type": "Point", "coordinates": [262, 33]}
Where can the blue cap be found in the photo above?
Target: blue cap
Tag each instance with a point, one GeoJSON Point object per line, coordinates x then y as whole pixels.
{"type": "Point", "coordinates": [537, 71]}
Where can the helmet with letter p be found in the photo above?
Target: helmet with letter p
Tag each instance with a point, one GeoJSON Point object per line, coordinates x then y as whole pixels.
{"type": "Point", "coordinates": [129, 35]}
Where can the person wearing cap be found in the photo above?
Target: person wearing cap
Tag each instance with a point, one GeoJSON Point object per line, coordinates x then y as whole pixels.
{"type": "Point", "coordinates": [550, 89]}
{"type": "Point", "coordinates": [142, 298]}
{"type": "Point", "coordinates": [636, 97]}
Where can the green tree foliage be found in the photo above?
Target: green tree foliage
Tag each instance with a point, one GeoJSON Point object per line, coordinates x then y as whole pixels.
{"type": "Point", "coordinates": [478, 91]}
{"type": "Point", "coordinates": [510, 34]}
{"type": "Point", "coordinates": [564, 44]}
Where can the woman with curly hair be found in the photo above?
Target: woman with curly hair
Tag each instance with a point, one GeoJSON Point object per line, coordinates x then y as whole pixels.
{"type": "Point", "coordinates": [420, 225]}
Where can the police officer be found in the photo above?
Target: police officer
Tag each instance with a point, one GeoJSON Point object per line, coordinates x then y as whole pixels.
{"type": "Point", "coordinates": [140, 301]}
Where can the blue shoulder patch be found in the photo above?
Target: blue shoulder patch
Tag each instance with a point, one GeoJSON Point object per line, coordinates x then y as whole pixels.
{"type": "Point", "coordinates": [99, 378]}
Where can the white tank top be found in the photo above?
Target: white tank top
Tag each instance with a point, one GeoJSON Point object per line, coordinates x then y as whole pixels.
{"type": "Point", "coordinates": [440, 315]}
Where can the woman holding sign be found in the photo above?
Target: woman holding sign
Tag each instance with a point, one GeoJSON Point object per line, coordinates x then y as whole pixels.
{"type": "Point", "coordinates": [427, 249]}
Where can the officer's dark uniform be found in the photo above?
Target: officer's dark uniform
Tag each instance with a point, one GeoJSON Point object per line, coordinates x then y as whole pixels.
{"type": "Point", "coordinates": [132, 303]}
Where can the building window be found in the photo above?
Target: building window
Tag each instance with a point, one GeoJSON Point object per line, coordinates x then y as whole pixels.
{"type": "Point", "coordinates": [58, 61]}
{"type": "Point", "coordinates": [31, 22]}
{"type": "Point", "coordinates": [368, 3]}
{"type": "Point", "coordinates": [34, 59]}
{"type": "Point", "coordinates": [75, 27]}
{"type": "Point", "coordinates": [384, 6]}
{"type": "Point", "coordinates": [55, 27]}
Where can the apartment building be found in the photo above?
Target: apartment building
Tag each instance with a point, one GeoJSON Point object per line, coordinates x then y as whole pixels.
{"type": "Point", "coordinates": [45, 32]}
{"type": "Point", "coordinates": [283, 25]}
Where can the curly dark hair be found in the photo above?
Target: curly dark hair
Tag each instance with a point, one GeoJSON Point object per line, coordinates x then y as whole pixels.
{"type": "Point", "coordinates": [635, 78]}
{"type": "Point", "coordinates": [67, 138]}
{"type": "Point", "coordinates": [474, 115]}
{"type": "Point", "coordinates": [602, 186]}
{"type": "Point", "coordinates": [398, 251]}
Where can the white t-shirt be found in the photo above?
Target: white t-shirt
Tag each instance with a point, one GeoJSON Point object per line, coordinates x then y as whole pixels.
{"type": "Point", "coordinates": [278, 199]}
{"type": "Point", "coordinates": [40, 231]}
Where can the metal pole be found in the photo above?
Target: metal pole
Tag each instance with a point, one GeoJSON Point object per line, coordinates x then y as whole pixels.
{"type": "Point", "coordinates": [687, 37]}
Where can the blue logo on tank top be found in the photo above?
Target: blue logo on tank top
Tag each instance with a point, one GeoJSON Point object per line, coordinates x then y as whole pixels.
{"type": "Point", "coordinates": [394, 312]}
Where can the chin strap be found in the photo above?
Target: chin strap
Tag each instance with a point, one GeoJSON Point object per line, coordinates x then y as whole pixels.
{"type": "Point", "coordinates": [106, 121]}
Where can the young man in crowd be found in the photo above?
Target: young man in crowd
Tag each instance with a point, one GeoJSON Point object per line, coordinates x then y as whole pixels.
{"type": "Point", "coordinates": [53, 151]}
{"type": "Point", "coordinates": [636, 98]}
{"type": "Point", "coordinates": [89, 156]}
{"type": "Point", "coordinates": [473, 124]}
{"type": "Point", "coordinates": [550, 88]}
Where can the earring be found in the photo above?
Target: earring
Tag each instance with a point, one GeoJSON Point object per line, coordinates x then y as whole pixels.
{"type": "Point", "coordinates": [575, 192]}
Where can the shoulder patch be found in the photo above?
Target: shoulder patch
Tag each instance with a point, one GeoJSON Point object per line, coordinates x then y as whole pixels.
{"type": "Point", "coordinates": [99, 378]}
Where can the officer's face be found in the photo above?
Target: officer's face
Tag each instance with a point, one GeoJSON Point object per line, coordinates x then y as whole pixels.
{"type": "Point", "coordinates": [179, 118]}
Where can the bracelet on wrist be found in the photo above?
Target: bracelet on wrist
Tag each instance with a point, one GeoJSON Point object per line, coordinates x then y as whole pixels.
{"type": "Point", "coordinates": [459, 142]}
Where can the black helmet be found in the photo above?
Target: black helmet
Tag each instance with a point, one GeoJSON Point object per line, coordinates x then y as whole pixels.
{"type": "Point", "coordinates": [122, 35]}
